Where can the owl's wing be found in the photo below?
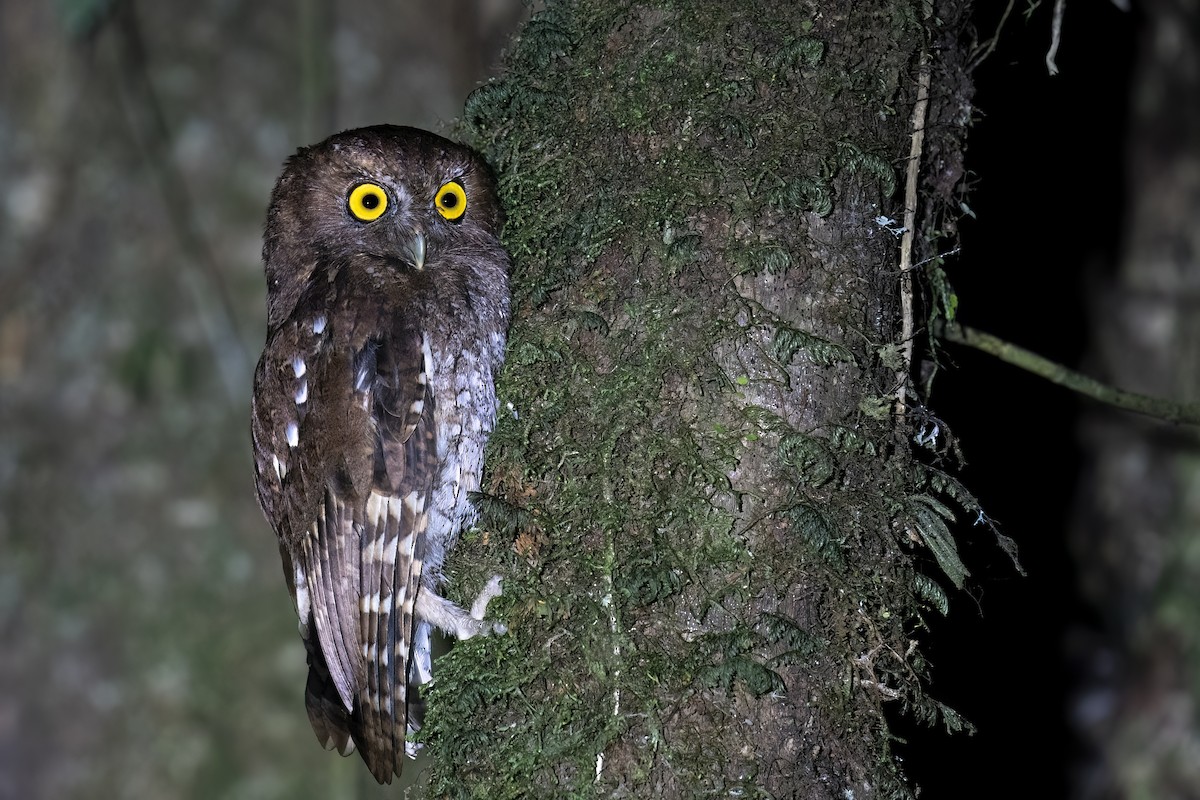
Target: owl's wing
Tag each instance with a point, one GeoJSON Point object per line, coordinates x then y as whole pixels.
{"type": "Point", "coordinates": [347, 490]}
{"type": "Point", "coordinates": [311, 440]}
{"type": "Point", "coordinates": [396, 369]}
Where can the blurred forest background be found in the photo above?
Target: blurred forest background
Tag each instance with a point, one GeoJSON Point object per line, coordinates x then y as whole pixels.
{"type": "Point", "coordinates": [147, 642]}
{"type": "Point", "coordinates": [148, 647]}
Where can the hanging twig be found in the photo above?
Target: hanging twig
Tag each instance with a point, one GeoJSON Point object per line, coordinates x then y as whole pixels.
{"type": "Point", "coordinates": [1055, 35]}
{"type": "Point", "coordinates": [983, 51]}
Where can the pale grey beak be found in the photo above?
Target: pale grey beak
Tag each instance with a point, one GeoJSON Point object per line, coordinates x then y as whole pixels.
{"type": "Point", "coordinates": [416, 250]}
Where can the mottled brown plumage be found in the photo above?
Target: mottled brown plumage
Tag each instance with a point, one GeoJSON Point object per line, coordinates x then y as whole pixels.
{"type": "Point", "coordinates": [387, 306]}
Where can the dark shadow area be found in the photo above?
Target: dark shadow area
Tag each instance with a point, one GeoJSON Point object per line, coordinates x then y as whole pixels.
{"type": "Point", "coordinates": [1047, 156]}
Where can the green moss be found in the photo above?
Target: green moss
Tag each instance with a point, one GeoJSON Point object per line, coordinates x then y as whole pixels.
{"type": "Point", "coordinates": [646, 171]}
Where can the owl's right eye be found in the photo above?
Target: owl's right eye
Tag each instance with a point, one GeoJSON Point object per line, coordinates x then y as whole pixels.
{"type": "Point", "coordinates": [367, 202]}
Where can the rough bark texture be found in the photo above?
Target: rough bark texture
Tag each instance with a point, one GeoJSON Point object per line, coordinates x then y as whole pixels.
{"type": "Point", "coordinates": [718, 520]}
{"type": "Point", "coordinates": [1137, 542]}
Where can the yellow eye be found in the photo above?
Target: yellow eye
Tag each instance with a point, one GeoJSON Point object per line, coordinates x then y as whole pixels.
{"type": "Point", "coordinates": [451, 200]}
{"type": "Point", "coordinates": [367, 202]}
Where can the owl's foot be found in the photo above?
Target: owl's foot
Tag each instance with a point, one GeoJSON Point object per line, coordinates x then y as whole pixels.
{"type": "Point", "coordinates": [489, 593]}
{"type": "Point", "coordinates": [456, 621]}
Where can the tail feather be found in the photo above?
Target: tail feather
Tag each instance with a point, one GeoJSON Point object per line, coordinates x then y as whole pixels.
{"type": "Point", "coordinates": [328, 716]}
{"type": "Point", "coordinates": [390, 571]}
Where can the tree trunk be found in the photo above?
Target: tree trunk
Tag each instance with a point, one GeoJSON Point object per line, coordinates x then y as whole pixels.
{"type": "Point", "coordinates": [723, 540]}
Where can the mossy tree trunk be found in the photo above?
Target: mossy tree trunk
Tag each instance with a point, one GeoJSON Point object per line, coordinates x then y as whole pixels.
{"type": "Point", "coordinates": [717, 540]}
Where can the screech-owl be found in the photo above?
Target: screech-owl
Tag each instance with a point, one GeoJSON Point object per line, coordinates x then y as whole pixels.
{"type": "Point", "coordinates": [387, 307]}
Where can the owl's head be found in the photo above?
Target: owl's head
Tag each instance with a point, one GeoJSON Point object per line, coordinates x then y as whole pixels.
{"type": "Point", "coordinates": [400, 194]}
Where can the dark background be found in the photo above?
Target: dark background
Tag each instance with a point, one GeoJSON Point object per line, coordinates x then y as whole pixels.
{"type": "Point", "coordinates": [1048, 157]}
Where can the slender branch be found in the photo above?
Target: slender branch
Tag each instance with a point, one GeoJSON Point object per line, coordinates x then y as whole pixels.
{"type": "Point", "coordinates": [910, 221]}
{"type": "Point", "coordinates": [983, 51]}
{"type": "Point", "coordinates": [1187, 413]}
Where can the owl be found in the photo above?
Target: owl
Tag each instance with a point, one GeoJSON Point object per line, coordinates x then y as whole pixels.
{"type": "Point", "coordinates": [387, 309]}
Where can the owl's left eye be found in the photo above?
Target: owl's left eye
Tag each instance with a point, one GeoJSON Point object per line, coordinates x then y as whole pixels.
{"type": "Point", "coordinates": [451, 200]}
{"type": "Point", "coordinates": [367, 202]}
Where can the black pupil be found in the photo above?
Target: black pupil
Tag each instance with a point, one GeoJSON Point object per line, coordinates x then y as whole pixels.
{"type": "Point", "coordinates": [370, 200]}
{"type": "Point", "coordinates": [449, 200]}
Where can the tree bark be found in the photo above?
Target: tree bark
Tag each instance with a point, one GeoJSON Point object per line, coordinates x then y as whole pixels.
{"type": "Point", "coordinates": [723, 538]}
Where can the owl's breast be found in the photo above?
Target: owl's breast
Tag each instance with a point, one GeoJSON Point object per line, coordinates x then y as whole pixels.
{"type": "Point", "coordinates": [465, 403]}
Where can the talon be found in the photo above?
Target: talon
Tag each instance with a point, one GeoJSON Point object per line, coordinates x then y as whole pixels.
{"type": "Point", "coordinates": [491, 591]}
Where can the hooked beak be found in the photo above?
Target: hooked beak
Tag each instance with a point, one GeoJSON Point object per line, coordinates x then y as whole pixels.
{"type": "Point", "coordinates": [416, 250]}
